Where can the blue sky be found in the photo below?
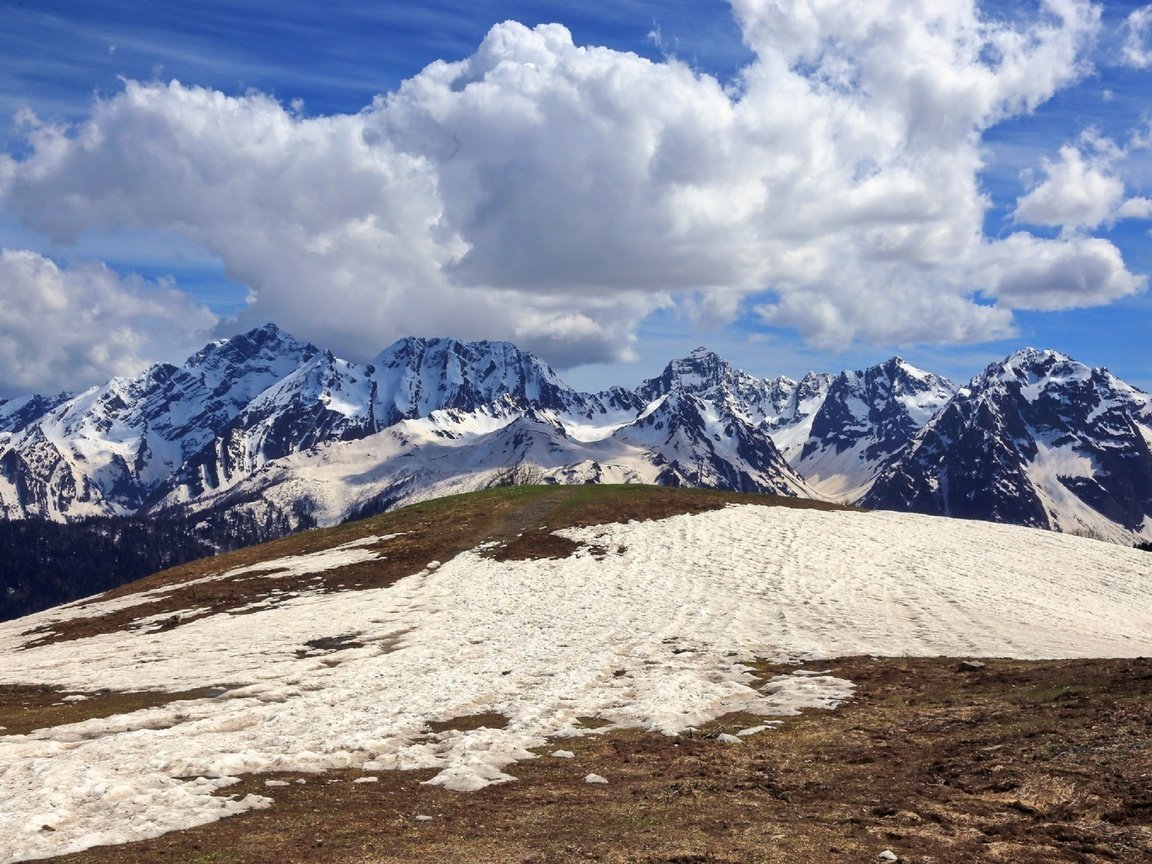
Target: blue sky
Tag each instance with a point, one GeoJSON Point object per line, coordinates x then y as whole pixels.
{"type": "Point", "coordinates": [500, 199]}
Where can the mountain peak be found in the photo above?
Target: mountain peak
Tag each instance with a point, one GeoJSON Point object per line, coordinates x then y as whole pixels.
{"type": "Point", "coordinates": [1036, 356]}
{"type": "Point", "coordinates": [1031, 366]}
{"type": "Point", "coordinates": [701, 372]}
{"type": "Point", "coordinates": [897, 363]}
{"type": "Point", "coordinates": [900, 371]}
{"type": "Point", "coordinates": [266, 343]}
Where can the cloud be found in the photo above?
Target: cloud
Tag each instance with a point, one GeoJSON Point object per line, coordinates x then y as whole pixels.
{"type": "Point", "coordinates": [557, 194]}
{"type": "Point", "coordinates": [1135, 208]}
{"type": "Point", "coordinates": [62, 326]}
{"type": "Point", "coordinates": [1025, 272]}
{"type": "Point", "coordinates": [1137, 50]}
{"type": "Point", "coordinates": [1083, 190]}
{"type": "Point", "coordinates": [1075, 192]}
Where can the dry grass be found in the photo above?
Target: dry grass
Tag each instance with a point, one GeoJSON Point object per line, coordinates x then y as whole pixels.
{"type": "Point", "coordinates": [24, 709]}
{"type": "Point", "coordinates": [520, 519]}
{"type": "Point", "coordinates": [1017, 762]}
{"type": "Point", "coordinates": [1029, 763]}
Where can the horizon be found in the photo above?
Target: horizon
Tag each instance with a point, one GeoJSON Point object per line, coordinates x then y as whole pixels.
{"type": "Point", "coordinates": [628, 385]}
{"type": "Point", "coordinates": [794, 192]}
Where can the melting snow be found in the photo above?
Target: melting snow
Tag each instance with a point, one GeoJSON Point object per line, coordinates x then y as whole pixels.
{"type": "Point", "coordinates": [678, 611]}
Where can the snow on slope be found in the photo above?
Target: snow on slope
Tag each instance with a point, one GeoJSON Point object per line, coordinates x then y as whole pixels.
{"type": "Point", "coordinates": [677, 440]}
{"type": "Point", "coordinates": [541, 642]}
{"type": "Point", "coordinates": [1037, 439]}
{"type": "Point", "coordinates": [863, 420]}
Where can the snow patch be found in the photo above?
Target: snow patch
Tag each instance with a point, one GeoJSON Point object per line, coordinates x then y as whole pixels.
{"type": "Point", "coordinates": [540, 642]}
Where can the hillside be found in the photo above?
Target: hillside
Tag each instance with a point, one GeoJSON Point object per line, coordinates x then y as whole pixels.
{"type": "Point", "coordinates": [437, 683]}
{"type": "Point", "coordinates": [260, 435]}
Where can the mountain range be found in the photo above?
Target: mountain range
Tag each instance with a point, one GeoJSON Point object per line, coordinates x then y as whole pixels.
{"type": "Point", "coordinates": [274, 431]}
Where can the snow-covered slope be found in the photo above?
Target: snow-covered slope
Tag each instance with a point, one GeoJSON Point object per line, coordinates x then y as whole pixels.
{"type": "Point", "coordinates": [710, 444]}
{"type": "Point", "coordinates": [292, 434]}
{"type": "Point", "coordinates": [1038, 439]}
{"type": "Point", "coordinates": [648, 624]}
{"type": "Point", "coordinates": [20, 412]}
{"type": "Point", "coordinates": [677, 441]}
{"type": "Point", "coordinates": [281, 428]}
{"type": "Point", "coordinates": [864, 420]}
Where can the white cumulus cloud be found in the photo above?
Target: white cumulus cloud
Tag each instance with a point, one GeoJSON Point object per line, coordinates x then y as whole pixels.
{"type": "Point", "coordinates": [1083, 189]}
{"type": "Point", "coordinates": [1027, 273]}
{"type": "Point", "coordinates": [62, 326]}
{"type": "Point", "coordinates": [1076, 192]}
{"type": "Point", "coordinates": [557, 194]}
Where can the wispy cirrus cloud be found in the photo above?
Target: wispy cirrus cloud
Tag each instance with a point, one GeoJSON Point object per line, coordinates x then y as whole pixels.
{"type": "Point", "coordinates": [1137, 49]}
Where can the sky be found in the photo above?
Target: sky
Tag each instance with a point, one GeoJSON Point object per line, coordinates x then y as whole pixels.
{"type": "Point", "coordinates": [797, 184]}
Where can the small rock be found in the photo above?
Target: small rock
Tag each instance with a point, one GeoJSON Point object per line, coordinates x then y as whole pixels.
{"type": "Point", "coordinates": [432, 566]}
{"type": "Point", "coordinates": [594, 778]}
{"type": "Point", "coordinates": [366, 780]}
{"type": "Point", "coordinates": [888, 855]}
{"type": "Point", "coordinates": [301, 781]}
{"type": "Point", "coordinates": [420, 817]}
{"type": "Point", "coordinates": [275, 782]}
{"type": "Point", "coordinates": [970, 666]}
{"type": "Point", "coordinates": [564, 754]}
{"type": "Point", "coordinates": [754, 730]}
{"type": "Point", "coordinates": [725, 738]}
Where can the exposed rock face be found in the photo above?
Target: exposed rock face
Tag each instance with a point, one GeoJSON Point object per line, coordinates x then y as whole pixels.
{"type": "Point", "coordinates": [1038, 439]}
{"type": "Point", "coordinates": [864, 420]}
{"type": "Point", "coordinates": [284, 432]}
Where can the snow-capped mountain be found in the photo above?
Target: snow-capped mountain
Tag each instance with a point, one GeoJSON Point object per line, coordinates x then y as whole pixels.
{"type": "Point", "coordinates": [111, 449]}
{"type": "Point", "coordinates": [242, 422]}
{"type": "Point", "coordinates": [1038, 439]}
{"type": "Point", "coordinates": [835, 431]}
{"type": "Point", "coordinates": [708, 443]}
{"type": "Point", "coordinates": [864, 419]}
{"type": "Point", "coordinates": [678, 440]}
{"type": "Point", "coordinates": [708, 377]}
{"type": "Point", "coordinates": [285, 433]}
{"type": "Point", "coordinates": [18, 413]}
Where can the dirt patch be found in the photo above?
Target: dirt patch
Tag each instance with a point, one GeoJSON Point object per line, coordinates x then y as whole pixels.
{"type": "Point", "coordinates": [470, 722]}
{"type": "Point", "coordinates": [24, 709]}
{"type": "Point", "coordinates": [540, 543]}
{"type": "Point", "coordinates": [1030, 763]}
{"type": "Point", "coordinates": [517, 521]}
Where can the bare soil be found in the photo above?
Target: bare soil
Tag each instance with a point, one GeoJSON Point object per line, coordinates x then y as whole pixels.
{"type": "Point", "coordinates": [1023, 762]}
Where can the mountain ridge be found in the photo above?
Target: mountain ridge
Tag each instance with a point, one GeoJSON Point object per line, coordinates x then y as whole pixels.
{"type": "Point", "coordinates": [268, 428]}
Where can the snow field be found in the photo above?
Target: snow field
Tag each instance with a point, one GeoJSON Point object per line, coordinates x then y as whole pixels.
{"type": "Point", "coordinates": [654, 635]}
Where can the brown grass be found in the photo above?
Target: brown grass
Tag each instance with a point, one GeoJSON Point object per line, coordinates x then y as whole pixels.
{"type": "Point", "coordinates": [520, 519]}
{"type": "Point", "coordinates": [25, 708]}
{"type": "Point", "coordinates": [1030, 763]}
